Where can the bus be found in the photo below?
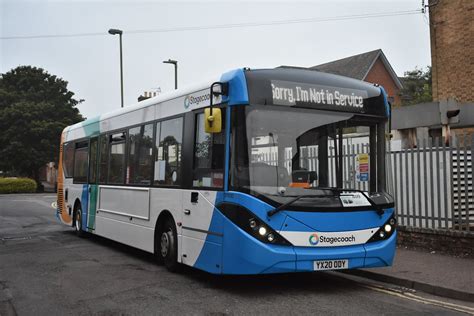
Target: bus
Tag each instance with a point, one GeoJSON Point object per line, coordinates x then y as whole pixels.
{"type": "Point", "coordinates": [247, 174]}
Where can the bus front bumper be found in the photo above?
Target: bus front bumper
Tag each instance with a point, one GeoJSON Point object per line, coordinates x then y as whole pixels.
{"type": "Point", "coordinates": [253, 257]}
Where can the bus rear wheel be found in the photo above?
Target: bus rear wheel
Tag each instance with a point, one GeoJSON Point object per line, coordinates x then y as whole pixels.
{"type": "Point", "coordinates": [78, 221]}
{"type": "Point", "coordinates": [168, 246]}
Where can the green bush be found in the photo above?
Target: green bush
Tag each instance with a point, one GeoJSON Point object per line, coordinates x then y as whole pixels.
{"type": "Point", "coordinates": [17, 185]}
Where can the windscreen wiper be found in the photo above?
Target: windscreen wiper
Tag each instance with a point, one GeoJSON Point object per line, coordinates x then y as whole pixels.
{"type": "Point", "coordinates": [279, 208]}
{"type": "Point", "coordinates": [339, 190]}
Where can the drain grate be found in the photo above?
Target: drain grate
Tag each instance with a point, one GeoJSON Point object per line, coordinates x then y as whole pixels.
{"type": "Point", "coordinates": [15, 238]}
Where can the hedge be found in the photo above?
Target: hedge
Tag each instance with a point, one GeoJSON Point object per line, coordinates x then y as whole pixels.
{"type": "Point", "coordinates": [17, 185]}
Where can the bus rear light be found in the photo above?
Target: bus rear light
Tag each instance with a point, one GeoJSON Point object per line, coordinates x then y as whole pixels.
{"type": "Point", "coordinates": [251, 224]}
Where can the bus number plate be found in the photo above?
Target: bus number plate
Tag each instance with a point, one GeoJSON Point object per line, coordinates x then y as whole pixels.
{"type": "Point", "coordinates": [331, 264]}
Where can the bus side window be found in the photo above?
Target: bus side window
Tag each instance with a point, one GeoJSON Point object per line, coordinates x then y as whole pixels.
{"type": "Point", "coordinates": [68, 159]}
{"type": "Point", "coordinates": [81, 162]}
{"type": "Point", "coordinates": [168, 152]}
{"type": "Point", "coordinates": [140, 154]}
{"type": "Point", "coordinates": [93, 160]}
{"type": "Point", "coordinates": [103, 158]}
{"type": "Point", "coordinates": [117, 146]}
{"type": "Point", "coordinates": [209, 151]}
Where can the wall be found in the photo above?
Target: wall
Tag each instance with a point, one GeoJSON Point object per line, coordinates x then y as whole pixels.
{"type": "Point", "coordinates": [379, 74]}
{"type": "Point", "coordinates": [449, 242]}
{"type": "Point", "coordinates": [452, 49]}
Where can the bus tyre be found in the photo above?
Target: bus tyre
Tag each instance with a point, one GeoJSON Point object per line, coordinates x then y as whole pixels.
{"type": "Point", "coordinates": [168, 246]}
{"type": "Point", "coordinates": [78, 221]}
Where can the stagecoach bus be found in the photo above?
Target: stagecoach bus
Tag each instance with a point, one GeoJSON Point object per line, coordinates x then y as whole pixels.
{"type": "Point", "coordinates": [253, 173]}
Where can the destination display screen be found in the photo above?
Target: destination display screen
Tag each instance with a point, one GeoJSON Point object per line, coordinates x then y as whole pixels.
{"type": "Point", "coordinates": [312, 89]}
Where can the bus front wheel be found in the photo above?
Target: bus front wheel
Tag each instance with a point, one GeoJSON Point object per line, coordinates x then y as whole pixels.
{"type": "Point", "coordinates": [168, 246]}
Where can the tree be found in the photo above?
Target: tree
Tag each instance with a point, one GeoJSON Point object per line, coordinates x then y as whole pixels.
{"type": "Point", "coordinates": [35, 106]}
{"type": "Point", "coordinates": [417, 86]}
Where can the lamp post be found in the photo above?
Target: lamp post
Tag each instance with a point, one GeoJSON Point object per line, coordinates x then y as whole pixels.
{"type": "Point", "coordinates": [119, 32]}
{"type": "Point", "coordinates": [175, 63]}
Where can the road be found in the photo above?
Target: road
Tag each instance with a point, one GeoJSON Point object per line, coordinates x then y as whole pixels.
{"type": "Point", "coordinates": [46, 270]}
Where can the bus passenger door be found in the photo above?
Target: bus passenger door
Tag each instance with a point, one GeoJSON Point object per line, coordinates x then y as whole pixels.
{"type": "Point", "coordinates": [92, 183]}
{"type": "Point", "coordinates": [202, 232]}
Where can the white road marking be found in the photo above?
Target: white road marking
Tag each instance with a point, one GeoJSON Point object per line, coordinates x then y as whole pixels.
{"type": "Point", "coordinates": [419, 299]}
{"type": "Point", "coordinates": [54, 205]}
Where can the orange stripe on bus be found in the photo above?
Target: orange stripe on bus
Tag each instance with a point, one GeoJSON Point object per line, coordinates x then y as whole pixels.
{"type": "Point", "coordinates": [63, 213]}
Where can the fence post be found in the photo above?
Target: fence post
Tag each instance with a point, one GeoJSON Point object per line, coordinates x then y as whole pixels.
{"type": "Point", "coordinates": [449, 217]}
{"type": "Point", "coordinates": [424, 214]}
{"type": "Point", "coordinates": [438, 180]}
{"type": "Point", "coordinates": [451, 159]}
{"type": "Point", "coordinates": [466, 183]}
{"type": "Point", "coordinates": [431, 177]}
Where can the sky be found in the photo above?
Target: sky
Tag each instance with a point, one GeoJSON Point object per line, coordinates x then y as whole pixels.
{"type": "Point", "coordinates": [90, 63]}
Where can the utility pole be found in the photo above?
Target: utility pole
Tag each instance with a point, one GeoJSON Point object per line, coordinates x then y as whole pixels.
{"type": "Point", "coordinates": [175, 63]}
{"type": "Point", "coordinates": [119, 32]}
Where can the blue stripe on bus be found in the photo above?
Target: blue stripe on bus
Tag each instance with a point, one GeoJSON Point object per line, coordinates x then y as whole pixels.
{"type": "Point", "coordinates": [84, 205]}
{"type": "Point", "coordinates": [238, 93]}
{"type": "Point", "coordinates": [210, 258]}
{"type": "Point", "coordinates": [227, 150]}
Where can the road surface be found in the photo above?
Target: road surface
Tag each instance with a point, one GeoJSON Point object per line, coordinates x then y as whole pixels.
{"type": "Point", "coordinates": [46, 270]}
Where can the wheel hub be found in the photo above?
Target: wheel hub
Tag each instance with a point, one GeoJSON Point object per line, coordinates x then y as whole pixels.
{"type": "Point", "coordinates": [165, 244]}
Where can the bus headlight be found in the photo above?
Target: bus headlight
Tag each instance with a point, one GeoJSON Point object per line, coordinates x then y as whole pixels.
{"type": "Point", "coordinates": [385, 231]}
{"type": "Point", "coordinates": [270, 237]}
{"type": "Point", "coordinates": [251, 224]}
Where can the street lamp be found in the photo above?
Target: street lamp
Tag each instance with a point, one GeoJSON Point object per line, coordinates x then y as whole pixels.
{"type": "Point", "coordinates": [175, 63]}
{"type": "Point", "coordinates": [119, 32]}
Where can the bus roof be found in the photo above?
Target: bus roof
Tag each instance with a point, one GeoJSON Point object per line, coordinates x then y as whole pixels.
{"type": "Point", "coordinates": [280, 86]}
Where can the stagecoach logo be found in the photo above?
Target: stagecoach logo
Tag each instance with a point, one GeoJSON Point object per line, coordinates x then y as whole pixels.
{"type": "Point", "coordinates": [313, 239]}
{"type": "Point", "coordinates": [186, 102]}
{"type": "Point", "coordinates": [190, 100]}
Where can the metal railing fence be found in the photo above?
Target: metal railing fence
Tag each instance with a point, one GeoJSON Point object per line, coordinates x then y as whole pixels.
{"type": "Point", "coordinates": [432, 184]}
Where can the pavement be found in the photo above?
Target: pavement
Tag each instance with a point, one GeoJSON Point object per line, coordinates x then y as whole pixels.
{"type": "Point", "coordinates": [45, 269]}
{"type": "Point", "coordinates": [429, 272]}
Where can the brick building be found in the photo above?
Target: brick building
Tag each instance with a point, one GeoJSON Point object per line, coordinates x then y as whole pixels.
{"type": "Point", "coordinates": [452, 49]}
{"type": "Point", "coordinates": [372, 67]}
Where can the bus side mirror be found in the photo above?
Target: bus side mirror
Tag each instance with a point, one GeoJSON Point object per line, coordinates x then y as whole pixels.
{"type": "Point", "coordinates": [212, 120]}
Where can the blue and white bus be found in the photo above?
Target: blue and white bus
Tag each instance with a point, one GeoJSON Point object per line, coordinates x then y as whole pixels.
{"type": "Point", "coordinates": [244, 175]}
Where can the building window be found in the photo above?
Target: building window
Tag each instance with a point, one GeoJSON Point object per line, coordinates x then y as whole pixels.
{"type": "Point", "coordinates": [169, 140]}
{"type": "Point", "coordinates": [80, 162]}
{"type": "Point", "coordinates": [140, 155]}
{"type": "Point", "coordinates": [116, 158]}
{"type": "Point", "coordinates": [209, 153]}
{"type": "Point", "coordinates": [68, 159]}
